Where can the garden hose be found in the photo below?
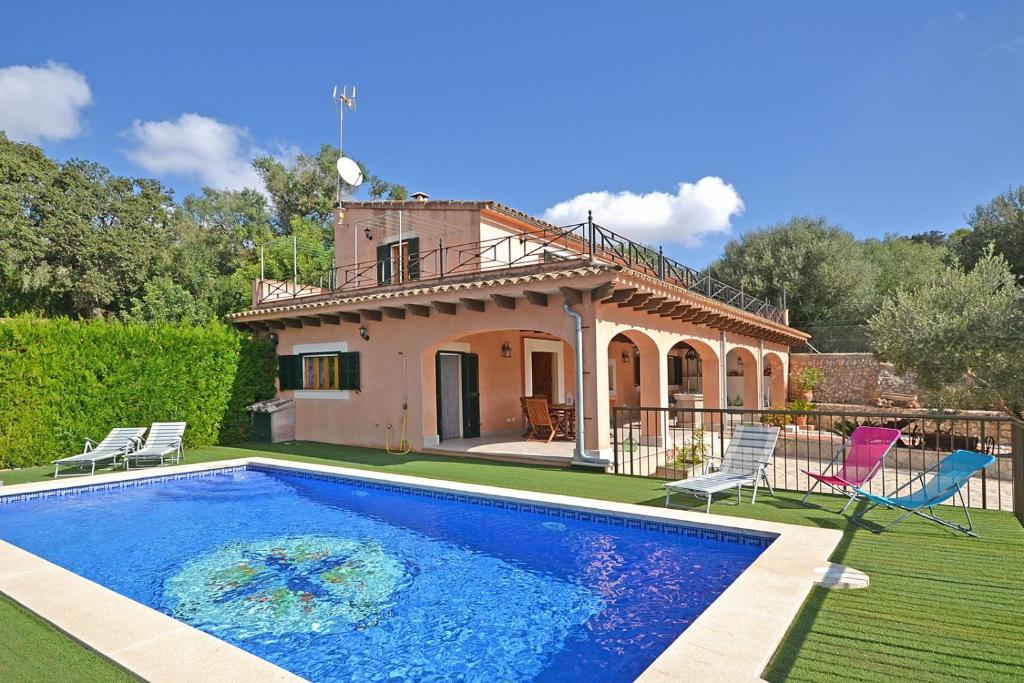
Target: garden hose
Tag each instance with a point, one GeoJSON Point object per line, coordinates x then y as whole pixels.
{"type": "Point", "coordinates": [403, 442]}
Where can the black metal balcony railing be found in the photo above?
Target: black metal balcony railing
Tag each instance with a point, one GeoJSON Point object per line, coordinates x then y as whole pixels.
{"type": "Point", "coordinates": [583, 240]}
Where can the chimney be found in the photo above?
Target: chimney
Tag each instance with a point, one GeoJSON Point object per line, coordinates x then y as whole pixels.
{"type": "Point", "coordinates": [419, 196]}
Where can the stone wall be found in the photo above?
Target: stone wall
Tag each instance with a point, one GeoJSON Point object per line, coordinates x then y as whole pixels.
{"type": "Point", "coordinates": [852, 378]}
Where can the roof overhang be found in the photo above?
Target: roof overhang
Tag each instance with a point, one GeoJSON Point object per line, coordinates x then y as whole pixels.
{"type": "Point", "coordinates": [571, 280]}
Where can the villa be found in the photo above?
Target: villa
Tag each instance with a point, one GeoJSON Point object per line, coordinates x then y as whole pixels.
{"type": "Point", "coordinates": [440, 317]}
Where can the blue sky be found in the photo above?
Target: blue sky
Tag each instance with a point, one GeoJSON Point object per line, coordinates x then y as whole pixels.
{"type": "Point", "coordinates": [885, 117]}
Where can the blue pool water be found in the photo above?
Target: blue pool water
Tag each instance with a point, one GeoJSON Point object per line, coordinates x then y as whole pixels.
{"type": "Point", "coordinates": [336, 580]}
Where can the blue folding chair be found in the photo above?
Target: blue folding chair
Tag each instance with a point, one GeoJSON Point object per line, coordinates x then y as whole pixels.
{"type": "Point", "coordinates": [950, 474]}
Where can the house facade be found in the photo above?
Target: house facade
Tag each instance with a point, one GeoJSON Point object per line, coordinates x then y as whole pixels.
{"type": "Point", "coordinates": [444, 315]}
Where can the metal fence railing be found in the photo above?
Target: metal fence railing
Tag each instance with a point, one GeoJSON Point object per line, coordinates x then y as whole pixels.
{"type": "Point", "coordinates": [834, 337]}
{"type": "Point", "coordinates": [676, 443]}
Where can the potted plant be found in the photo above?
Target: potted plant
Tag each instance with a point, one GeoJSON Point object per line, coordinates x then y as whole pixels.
{"type": "Point", "coordinates": [802, 406]}
{"type": "Point", "coordinates": [693, 453]}
{"type": "Point", "coordinates": [806, 381]}
{"type": "Point", "coordinates": [777, 419]}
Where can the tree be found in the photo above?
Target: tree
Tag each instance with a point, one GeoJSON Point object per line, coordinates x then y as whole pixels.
{"type": "Point", "coordinates": [25, 174]}
{"type": "Point", "coordinates": [936, 238]}
{"type": "Point", "coordinates": [999, 222]}
{"type": "Point", "coordinates": [75, 239]}
{"type": "Point", "coordinates": [818, 267]}
{"type": "Point", "coordinates": [164, 301]}
{"type": "Point", "coordinates": [902, 263]}
{"type": "Point", "coordinates": [960, 334]}
{"type": "Point", "coordinates": [308, 187]}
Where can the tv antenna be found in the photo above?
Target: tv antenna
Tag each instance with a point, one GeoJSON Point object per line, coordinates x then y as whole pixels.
{"type": "Point", "coordinates": [348, 170]}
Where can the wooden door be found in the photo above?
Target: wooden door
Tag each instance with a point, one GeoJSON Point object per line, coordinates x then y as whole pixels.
{"type": "Point", "coordinates": [542, 365]}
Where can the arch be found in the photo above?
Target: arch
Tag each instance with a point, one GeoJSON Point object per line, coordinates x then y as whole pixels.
{"type": "Point", "coordinates": [646, 364]}
{"type": "Point", "coordinates": [774, 374]}
{"type": "Point", "coordinates": [709, 384]}
{"type": "Point", "coordinates": [742, 369]}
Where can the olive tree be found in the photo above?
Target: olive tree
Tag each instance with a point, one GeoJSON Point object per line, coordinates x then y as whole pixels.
{"type": "Point", "coordinates": [960, 334]}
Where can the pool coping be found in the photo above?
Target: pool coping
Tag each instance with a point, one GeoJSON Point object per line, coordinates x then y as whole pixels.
{"type": "Point", "coordinates": [733, 639]}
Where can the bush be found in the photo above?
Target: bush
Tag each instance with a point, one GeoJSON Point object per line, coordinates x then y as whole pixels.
{"type": "Point", "coordinates": [802, 406]}
{"type": "Point", "coordinates": [808, 379]}
{"type": "Point", "coordinates": [776, 419]}
{"type": "Point", "coordinates": [693, 453]}
{"type": "Point", "coordinates": [66, 380]}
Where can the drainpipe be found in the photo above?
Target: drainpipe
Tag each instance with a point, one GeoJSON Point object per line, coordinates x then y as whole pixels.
{"type": "Point", "coordinates": [723, 375]}
{"type": "Point", "coordinates": [578, 455]}
{"type": "Point", "coordinates": [760, 374]}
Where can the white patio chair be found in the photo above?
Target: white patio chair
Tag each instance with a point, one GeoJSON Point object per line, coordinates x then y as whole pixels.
{"type": "Point", "coordinates": [119, 442]}
{"type": "Point", "coordinates": [743, 464]}
{"type": "Point", "coordinates": [164, 442]}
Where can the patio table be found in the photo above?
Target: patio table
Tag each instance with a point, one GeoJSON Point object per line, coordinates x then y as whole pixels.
{"type": "Point", "coordinates": [566, 415]}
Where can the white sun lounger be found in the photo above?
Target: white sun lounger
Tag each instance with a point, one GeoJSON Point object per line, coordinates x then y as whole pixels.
{"type": "Point", "coordinates": [743, 464]}
{"type": "Point", "coordinates": [119, 442]}
{"type": "Point", "coordinates": [164, 442]}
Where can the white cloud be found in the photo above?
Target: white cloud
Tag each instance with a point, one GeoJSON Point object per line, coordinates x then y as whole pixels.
{"type": "Point", "coordinates": [218, 154]}
{"type": "Point", "coordinates": [38, 102]}
{"type": "Point", "coordinates": [694, 211]}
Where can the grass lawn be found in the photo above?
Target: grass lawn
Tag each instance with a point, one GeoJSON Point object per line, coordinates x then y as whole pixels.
{"type": "Point", "coordinates": [941, 606]}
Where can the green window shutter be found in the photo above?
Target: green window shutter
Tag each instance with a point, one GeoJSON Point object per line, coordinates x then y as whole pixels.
{"type": "Point", "coordinates": [289, 372]}
{"type": "Point", "coordinates": [470, 395]}
{"type": "Point", "coordinates": [414, 258]}
{"type": "Point", "coordinates": [383, 264]}
{"type": "Point", "coordinates": [348, 370]}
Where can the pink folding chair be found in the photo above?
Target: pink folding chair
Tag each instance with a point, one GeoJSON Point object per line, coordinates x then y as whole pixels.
{"type": "Point", "coordinates": [865, 450]}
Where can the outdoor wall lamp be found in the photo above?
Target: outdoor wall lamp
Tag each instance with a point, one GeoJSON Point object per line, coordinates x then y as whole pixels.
{"type": "Point", "coordinates": [506, 350]}
{"type": "Point", "coordinates": [366, 231]}
{"type": "Point", "coordinates": [625, 356]}
{"type": "Point", "coordinates": [767, 372]}
{"type": "Point", "coordinates": [363, 333]}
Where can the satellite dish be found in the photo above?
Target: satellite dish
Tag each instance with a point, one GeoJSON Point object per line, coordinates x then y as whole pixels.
{"type": "Point", "coordinates": [349, 171]}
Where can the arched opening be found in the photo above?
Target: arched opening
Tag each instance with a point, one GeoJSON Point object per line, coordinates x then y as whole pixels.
{"type": "Point", "coordinates": [685, 370]}
{"type": "Point", "coordinates": [636, 378]}
{"type": "Point", "coordinates": [774, 381]}
{"type": "Point", "coordinates": [741, 380]}
{"type": "Point", "coordinates": [692, 372]}
{"type": "Point", "coordinates": [634, 371]}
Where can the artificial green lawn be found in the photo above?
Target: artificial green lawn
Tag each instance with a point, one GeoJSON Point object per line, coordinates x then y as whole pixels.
{"type": "Point", "coordinates": [940, 607]}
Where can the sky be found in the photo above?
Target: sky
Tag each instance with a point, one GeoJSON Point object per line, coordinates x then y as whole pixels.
{"type": "Point", "coordinates": [681, 123]}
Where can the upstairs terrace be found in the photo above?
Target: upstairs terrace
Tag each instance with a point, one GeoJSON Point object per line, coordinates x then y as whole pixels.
{"type": "Point", "coordinates": [389, 245]}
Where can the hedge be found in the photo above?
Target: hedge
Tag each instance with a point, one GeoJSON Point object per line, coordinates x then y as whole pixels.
{"type": "Point", "coordinates": [62, 381]}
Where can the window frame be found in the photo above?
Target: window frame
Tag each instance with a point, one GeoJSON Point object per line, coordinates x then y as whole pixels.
{"type": "Point", "coordinates": [318, 372]}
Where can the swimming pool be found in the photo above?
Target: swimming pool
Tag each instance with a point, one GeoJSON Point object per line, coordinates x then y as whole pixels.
{"type": "Point", "coordinates": [344, 579]}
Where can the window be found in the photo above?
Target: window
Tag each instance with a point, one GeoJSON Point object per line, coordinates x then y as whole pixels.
{"type": "Point", "coordinates": [398, 262]}
{"type": "Point", "coordinates": [320, 371]}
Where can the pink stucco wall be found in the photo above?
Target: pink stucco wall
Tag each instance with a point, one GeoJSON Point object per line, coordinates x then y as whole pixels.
{"type": "Point", "coordinates": [363, 418]}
